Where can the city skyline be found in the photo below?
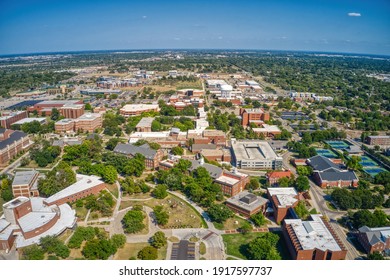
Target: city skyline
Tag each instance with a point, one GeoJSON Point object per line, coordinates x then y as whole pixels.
{"type": "Point", "coordinates": [324, 26]}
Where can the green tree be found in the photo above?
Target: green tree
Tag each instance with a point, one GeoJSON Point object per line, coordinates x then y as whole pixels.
{"type": "Point", "coordinates": [284, 182]}
{"type": "Point", "coordinates": [160, 192]}
{"type": "Point", "coordinates": [111, 144]}
{"type": "Point", "coordinates": [264, 247]}
{"type": "Point", "coordinates": [33, 252]}
{"type": "Point", "coordinates": [98, 249]}
{"type": "Point", "coordinates": [109, 174]}
{"type": "Point", "coordinates": [375, 256]}
{"type": "Point", "coordinates": [52, 245]}
{"type": "Point", "coordinates": [118, 240]}
{"type": "Point", "coordinates": [159, 240]}
{"type": "Point", "coordinates": [148, 253]}
{"type": "Point", "coordinates": [161, 215]}
{"type": "Point", "coordinates": [301, 210]}
{"type": "Point", "coordinates": [133, 221]}
{"type": "Point", "coordinates": [177, 150]}
{"type": "Point", "coordinates": [254, 184]}
{"type": "Point", "coordinates": [353, 163]}
{"type": "Point", "coordinates": [259, 219]}
{"type": "Point", "coordinates": [88, 107]}
{"type": "Point", "coordinates": [156, 126]}
{"type": "Point", "coordinates": [55, 114]}
{"type": "Point", "coordinates": [245, 228]}
{"type": "Point", "coordinates": [219, 213]}
{"type": "Point", "coordinates": [302, 184]}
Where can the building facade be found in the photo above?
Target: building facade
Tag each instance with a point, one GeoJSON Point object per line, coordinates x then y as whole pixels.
{"type": "Point", "coordinates": [25, 183]}
{"type": "Point", "coordinates": [11, 143]}
{"type": "Point", "coordinates": [8, 118]}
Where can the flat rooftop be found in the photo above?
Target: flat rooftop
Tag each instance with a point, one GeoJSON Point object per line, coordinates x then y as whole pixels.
{"type": "Point", "coordinates": [213, 132]}
{"type": "Point", "coordinates": [313, 234]}
{"type": "Point", "coordinates": [266, 128]}
{"type": "Point", "coordinates": [24, 177]}
{"type": "Point", "coordinates": [247, 201]}
{"type": "Point", "coordinates": [65, 121]}
{"type": "Point", "coordinates": [139, 107]}
{"type": "Point", "coordinates": [29, 120]}
{"type": "Point", "coordinates": [145, 122]}
{"type": "Point", "coordinates": [253, 150]}
{"type": "Point", "coordinates": [88, 116]}
{"type": "Point", "coordinates": [15, 202]}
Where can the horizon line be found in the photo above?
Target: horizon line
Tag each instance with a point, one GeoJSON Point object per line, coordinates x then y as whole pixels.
{"type": "Point", "coordinates": [191, 49]}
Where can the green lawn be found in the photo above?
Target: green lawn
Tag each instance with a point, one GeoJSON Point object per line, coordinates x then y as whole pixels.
{"type": "Point", "coordinates": [130, 250]}
{"type": "Point", "coordinates": [236, 243]}
{"type": "Point", "coordinates": [231, 223]}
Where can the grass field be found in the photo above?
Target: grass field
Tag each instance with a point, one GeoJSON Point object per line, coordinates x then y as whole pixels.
{"type": "Point", "coordinates": [180, 214]}
{"type": "Point", "coordinates": [113, 189]}
{"type": "Point", "coordinates": [130, 250]}
{"type": "Point", "coordinates": [231, 223]}
{"type": "Point", "coordinates": [202, 248]}
{"type": "Point", "coordinates": [235, 244]}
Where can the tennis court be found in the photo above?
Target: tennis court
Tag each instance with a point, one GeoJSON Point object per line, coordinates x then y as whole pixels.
{"type": "Point", "coordinates": [338, 144]}
{"type": "Point", "coordinates": [373, 171]}
{"type": "Point", "coordinates": [326, 153]}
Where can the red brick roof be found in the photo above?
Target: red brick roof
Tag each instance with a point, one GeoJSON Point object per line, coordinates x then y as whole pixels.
{"type": "Point", "coordinates": [279, 174]}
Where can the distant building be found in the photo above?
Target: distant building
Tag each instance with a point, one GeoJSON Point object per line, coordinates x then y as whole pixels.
{"type": "Point", "coordinates": [282, 199]}
{"type": "Point", "coordinates": [216, 154]}
{"type": "Point", "coordinates": [30, 120]}
{"type": "Point", "coordinates": [145, 125]}
{"type": "Point", "coordinates": [328, 174]}
{"type": "Point", "coordinates": [25, 183]}
{"type": "Point", "coordinates": [273, 177]}
{"type": "Point", "coordinates": [45, 107]}
{"type": "Point", "coordinates": [257, 116]}
{"type": "Point", "coordinates": [313, 240]}
{"type": "Point", "coordinates": [196, 148]}
{"type": "Point", "coordinates": [267, 130]}
{"type": "Point", "coordinates": [9, 118]}
{"type": "Point", "coordinates": [138, 109]}
{"type": "Point", "coordinates": [152, 157]}
{"type": "Point", "coordinates": [375, 239]}
{"type": "Point", "coordinates": [27, 220]}
{"type": "Point", "coordinates": [247, 204]}
{"type": "Point", "coordinates": [208, 136]}
{"type": "Point", "coordinates": [11, 143]}
{"type": "Point", "coordinates": [380, 140]}
{"type": "Point", "coordinates": [72, 111]}
{"type": "Point", "coordinates": [64, 126]}
{"type": "Point", "coordinates": [255, 155]}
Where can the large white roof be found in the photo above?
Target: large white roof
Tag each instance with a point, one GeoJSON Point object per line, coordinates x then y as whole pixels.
{"type": "Point", "coordinates": [313, 234]}
{"type": "Point", "coordinates": [84, 182]}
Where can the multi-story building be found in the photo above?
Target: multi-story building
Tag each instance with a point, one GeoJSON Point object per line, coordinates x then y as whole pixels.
{"type": "Point", "coordinates": [27, 220]}
{"type": "Point", "coordinates": [257, 116]}
{"type": "Point", "coordinates": [11, 143]}
{"type": "Point", "coordinates": [209, 136]}
{"type": "Point", "coordinates": [72, 111]}
{"type": "Point", "coordinates": [329, 174]}
{"type": "Point", "coordinates": [255, 155]}
{"type": "Point", "coordinates": [152, 157]}
{"type": "Point", "coordinates": [380, 140]}
{"type": "Point", "coordinates": [64, 126]}
{"type": "Point", "coordinates": [375, 239]}
{"type": "Point", "coordinates": [313, 240]}
{"type": "Point", "coordinates": [8, 118]}
{"type": "Point", "coordinates": [267, 130]}
{"type": "Point", "coordinates": [247, 204]}
{"type": "Point", "coordinates": [138, 109]}
{"type": "Point", "coordinates": [88, 122]}
{"type": "Point", "coordinates": [145, 125]}
{"type": "Point", "coordinates": [216, 154]}
{"type": "Point", "coordinates": [282, 199]}
{"type": "Point", "coordinates": [45, 107]}
{"type": "Point", "coordinates": [25, 183]}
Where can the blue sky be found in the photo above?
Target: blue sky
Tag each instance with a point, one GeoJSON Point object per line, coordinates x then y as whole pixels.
{"type": "Point", "coordinates": [357, 26]}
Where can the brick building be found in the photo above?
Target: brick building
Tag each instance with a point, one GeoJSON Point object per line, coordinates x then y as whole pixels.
{"type": "Point", "coordinates": [45, 107]}
{"type": "Point", "coordinates": [380, 140]}
{"type": "Point", "coordinates": [11, 143]}
{"type": "Point", "coordinates": [326, 173]}
{"type": "Point", "coordinates": [209, 136]}
{"type": "Point", "coordinates": [25, 183]}
{"type": "Point", "coordinates": [152, 157]}
{"type": "Point", "coordinates": [375, 239]}
{"type": "Point", "coordinates": [257, 116]}
{"type": "Point", "coordinates": [27, 220]}
{"type": "Point", "coordinates": [144, 125]}
{"type": "Point", "coordinates": [247, 204]}
{"type": "Point", "coordinates": [64, 126]}
{"type": "Point", "coordinates": [216, 154]}
{"type": "Point", "coordinates": [282, 199]}
{"type": "Point", "coordinates": [138, 109]}
{"type": "Point", "coordinates": [313, 240]}
{"type": "Point", "coordinates": [88, 122]}
{"type": "Point", "coordinates": [84, 186]}
{"type": "Point", "coordinates": [273, 177]}
{"type": "Point", "coordinates": [72, 111]}
{"type": "Point", "coordinates": [8, 118]}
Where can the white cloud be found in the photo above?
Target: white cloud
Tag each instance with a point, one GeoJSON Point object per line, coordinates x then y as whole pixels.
{"type": "Point", "coordinates": [354, 14]}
